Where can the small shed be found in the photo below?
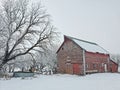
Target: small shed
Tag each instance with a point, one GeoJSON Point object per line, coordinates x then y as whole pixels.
{"type": "Point", "coordinates": [23, 74]}
{"type": "Point", "coordinates": [113, 66]}
{"type": "Point", "coordinates": [76, 56]}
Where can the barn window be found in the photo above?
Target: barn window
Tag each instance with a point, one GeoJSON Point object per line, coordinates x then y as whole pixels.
{"type": "Point", "coordinates": [94, 66]}
{"type": "Point", "coordinates": [110, 64]}
{"type": "Point", "coordinates": [102, 64]}
{"type": "Point", "coordinates": [68, 60]}
{"type": "Point", "coordinates": [74, 46]}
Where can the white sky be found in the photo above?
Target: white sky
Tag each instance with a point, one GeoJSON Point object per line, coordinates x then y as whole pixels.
{"type": "Point", "coordinates": [92, 20]}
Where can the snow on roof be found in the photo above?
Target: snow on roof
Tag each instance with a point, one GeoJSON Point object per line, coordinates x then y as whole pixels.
{"type": "Point", "coordinates": [88, 46]}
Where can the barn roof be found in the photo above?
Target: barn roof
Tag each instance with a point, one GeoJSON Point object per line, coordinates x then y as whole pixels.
{"type": "Point", "coordinates": [88, 46]}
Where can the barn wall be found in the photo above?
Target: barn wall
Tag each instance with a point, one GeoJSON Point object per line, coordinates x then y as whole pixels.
{"type": "Point", "coordinates": [68, 55]}
{"type": "Point", "coordinates": [96, 62]}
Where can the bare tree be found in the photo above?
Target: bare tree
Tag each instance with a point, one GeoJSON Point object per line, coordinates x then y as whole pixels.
{"type": "Point", "coordinates": [24, 29]}
{"type": "Point", "coordinates": [116, 58]}
{"type": "Point", "coordinates": [49, 58]}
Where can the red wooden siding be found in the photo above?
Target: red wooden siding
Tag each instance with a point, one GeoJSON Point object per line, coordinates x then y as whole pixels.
{"type": "Point", "coordinates": [97, 62]}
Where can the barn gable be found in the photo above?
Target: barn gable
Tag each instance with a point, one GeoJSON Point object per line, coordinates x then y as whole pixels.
{"type": "Point", "coordinates": [66, 38]}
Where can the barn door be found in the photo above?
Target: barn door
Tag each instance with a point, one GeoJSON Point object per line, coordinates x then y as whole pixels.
{"type": "Point", "coordinates": [68, 68]}
{"type": "Point", "coordinates": [105, 67]}
{"type": "Point", "coordinates": [76, 69]}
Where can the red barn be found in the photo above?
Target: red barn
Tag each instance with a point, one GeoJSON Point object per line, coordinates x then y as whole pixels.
{"type": "Point", "coordinates": [79, 57]}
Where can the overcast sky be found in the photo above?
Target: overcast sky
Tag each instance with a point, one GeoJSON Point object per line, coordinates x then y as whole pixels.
{"type": "Point", "coordinates": [92, 20]}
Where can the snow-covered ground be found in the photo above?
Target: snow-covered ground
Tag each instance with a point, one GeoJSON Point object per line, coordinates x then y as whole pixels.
{"type": "Point", "coordinates": [103, 81]}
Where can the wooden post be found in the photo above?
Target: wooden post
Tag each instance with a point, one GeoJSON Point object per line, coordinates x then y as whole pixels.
{"type": "Point", "coordinates": [108, 67]}
{"type": "Point", "coordinates": [84, 67]}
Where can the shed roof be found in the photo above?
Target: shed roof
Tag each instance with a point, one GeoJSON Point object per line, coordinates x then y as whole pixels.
{"type": "Point", "coordinates": [88, 46]}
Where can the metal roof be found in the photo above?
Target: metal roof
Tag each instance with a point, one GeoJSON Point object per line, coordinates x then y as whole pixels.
{"type": "Point", "coordinates": [88, 46]}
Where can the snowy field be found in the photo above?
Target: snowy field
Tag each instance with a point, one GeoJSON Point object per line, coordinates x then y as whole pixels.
{"type": "Point", "coordinates": [103, 81]}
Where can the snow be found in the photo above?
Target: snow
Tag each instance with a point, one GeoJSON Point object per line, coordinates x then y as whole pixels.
{"type": "Point", "coordinates": [119, 69]}
{"type": "Point", "coordinates": [88, 46]}
{"type": "Point", "coordinates": [17, 69]}
{"type": "Point", "coordinates": [102, 81]}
